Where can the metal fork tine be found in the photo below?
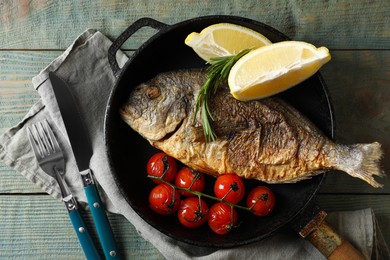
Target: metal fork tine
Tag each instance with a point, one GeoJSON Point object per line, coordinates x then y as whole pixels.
{"type": "Point", "coordinates": [38, 140]}
{"type": "Point", "coordinates": [52, 138]}
{"type": "Point", "coordinates": [46, 143]}
{"type": "Point", "coordinates": [34, 143]}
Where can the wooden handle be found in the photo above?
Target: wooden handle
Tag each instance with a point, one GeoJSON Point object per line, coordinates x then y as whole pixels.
{"type": "Point", "coordinates": [327, 240]}
{"type": "Point", "coordinates": [346, 251]}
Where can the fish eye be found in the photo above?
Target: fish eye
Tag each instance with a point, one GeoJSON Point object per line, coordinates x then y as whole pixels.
{"type": "Point", "coordinates": [152, 92]}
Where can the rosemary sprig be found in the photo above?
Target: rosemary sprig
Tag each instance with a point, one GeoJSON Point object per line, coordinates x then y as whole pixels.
{"type": "Point", "coordinates": [217, 72]}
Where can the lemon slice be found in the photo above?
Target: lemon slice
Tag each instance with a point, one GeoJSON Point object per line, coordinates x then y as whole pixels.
{"type": "Point", "coordinates": [224, 39]}
{"type": "Point", "coordinates": [274, 68]}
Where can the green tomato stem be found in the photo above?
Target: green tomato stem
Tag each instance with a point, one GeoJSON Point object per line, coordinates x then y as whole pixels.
{"type": "Point", "coordinates": [200, 194]}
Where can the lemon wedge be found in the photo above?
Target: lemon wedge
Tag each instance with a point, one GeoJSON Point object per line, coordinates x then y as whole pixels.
{"type": "Point", "coordinates": [274, 68]}
{"type": "Point", "coordinates": [224, 39]}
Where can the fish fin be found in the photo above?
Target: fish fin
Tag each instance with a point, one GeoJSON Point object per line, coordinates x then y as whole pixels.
{"type": "Point", "coordinates": [198, 134]}
{"type": "Point", "coordinates": [304, 177]}
{"type": "Point", "coordinates": [363, 161]}
{"type": "Point", "coordinates": [226, 131]}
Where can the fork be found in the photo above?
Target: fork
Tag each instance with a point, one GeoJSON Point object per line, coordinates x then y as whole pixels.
{"type": "Point", "coordinates": [51, 159]}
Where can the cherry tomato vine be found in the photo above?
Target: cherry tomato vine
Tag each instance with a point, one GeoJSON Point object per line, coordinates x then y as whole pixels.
{"type": "Point", "coordinates": [229, 189]}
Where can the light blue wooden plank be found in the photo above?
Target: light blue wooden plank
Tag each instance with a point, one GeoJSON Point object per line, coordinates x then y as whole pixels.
{"type": "Point", "coordinates": [37, 227]}
{"type": "Point", "coordinates": [54, 24]}
{"type": "Point", "coordinates": [16, 92]}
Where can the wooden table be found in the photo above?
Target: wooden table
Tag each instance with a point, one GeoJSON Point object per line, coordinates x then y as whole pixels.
{"type": "Point", "coordinates": [33, 33]}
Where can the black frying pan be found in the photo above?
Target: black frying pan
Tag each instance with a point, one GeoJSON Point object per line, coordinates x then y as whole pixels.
{"type": "Point", "coordinates": [128, 152]}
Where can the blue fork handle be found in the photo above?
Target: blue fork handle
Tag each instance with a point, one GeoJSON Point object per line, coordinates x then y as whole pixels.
{"type": "Point", "coordinates": [101, 223]}
{"type": "Point", "coordinates": [85, 239]}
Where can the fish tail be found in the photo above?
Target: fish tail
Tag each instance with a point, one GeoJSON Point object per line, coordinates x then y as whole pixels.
{"type": "Point", "coordinates": [362, 161]}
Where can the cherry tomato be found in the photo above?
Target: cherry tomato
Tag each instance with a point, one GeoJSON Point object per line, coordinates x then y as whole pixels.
{"type": "Point", "coordinates": [193, 212]}
{"type": "Point", "coordinates": [189, 179]}
{"type": "Point", "coordinates": [222, 218]}
{"type": "Point", "coordinates": [230, 188]}
{"type": "Point", "coordinates": [161, 164]}
{"type": "Point", "coordinates": [164, 199]}
{"type": "Point", "coordinates": [261, 200]}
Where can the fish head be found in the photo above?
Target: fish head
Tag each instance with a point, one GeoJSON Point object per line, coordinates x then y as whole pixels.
{"type": "Point", "coordinates": [155, 109]}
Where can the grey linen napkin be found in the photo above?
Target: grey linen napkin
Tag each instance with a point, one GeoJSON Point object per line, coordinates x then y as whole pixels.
{"type": "Point", "coordinates": [84, 66]}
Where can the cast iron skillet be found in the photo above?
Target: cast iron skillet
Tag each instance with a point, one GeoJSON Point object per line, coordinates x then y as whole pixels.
{"type": "Point", "coordinates": [128, 152]}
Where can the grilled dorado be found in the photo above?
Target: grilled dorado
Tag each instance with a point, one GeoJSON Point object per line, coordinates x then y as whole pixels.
{"type": "Point", "coordinates": [267, 140]}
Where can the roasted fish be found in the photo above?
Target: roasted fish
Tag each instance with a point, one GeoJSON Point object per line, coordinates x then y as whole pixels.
{"type": "Point", "coordinates": [267, 140]}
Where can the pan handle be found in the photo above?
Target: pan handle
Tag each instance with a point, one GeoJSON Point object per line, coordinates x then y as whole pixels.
{"type": "Point", "coordinates": [143, 22]}
{"type": "Point", "coordinates": [327, 240]}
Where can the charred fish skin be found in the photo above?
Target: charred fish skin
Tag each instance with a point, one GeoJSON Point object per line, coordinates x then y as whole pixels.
{"type": "Point", "coordinates": [266, 139]}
